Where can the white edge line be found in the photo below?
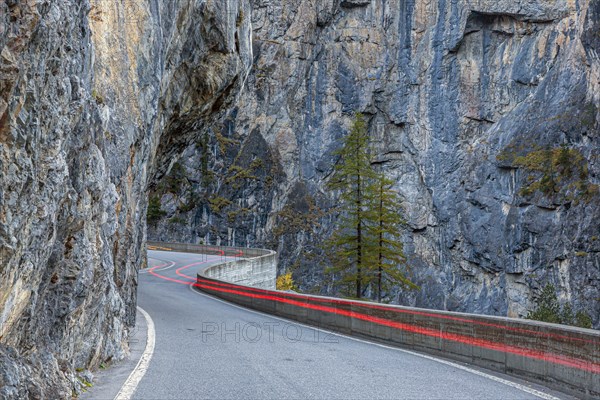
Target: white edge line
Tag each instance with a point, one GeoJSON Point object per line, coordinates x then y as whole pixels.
{"type": "Point", "coordinates": [140, 369]}
{"type": "Point", "coordinates": [515, 385]}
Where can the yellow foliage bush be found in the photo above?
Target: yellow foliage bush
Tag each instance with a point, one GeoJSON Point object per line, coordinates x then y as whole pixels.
{"type": "Point", "coordinates": [286, 282]}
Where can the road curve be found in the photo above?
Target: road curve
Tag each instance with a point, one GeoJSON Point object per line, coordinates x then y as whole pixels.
{"type": "Point", "coordinates": [207, 348]}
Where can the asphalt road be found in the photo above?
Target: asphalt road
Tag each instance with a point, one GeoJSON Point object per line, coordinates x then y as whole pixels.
{"type": "Point", "coordinates": [207, 348]}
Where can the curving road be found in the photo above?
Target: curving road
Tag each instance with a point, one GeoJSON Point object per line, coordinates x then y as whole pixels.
{"type": "Point", "coordinates": [207, 348]}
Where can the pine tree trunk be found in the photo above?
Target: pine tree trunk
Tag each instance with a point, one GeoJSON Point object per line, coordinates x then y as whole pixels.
{"type": "Point", "coordinates": [358, 261]}
{"type": "Point", "coordinates": [379, 273]}
{"type": "Point", "coordinates": [358, 229]}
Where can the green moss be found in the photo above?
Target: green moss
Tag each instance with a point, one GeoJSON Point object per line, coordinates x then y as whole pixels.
{"type": "Point", "coordinates": [581, 254]}
{"type": "Point", "coordinates": [97, 97]}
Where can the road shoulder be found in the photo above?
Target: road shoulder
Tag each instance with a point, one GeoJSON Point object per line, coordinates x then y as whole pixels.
{"type": "Point", "coordinates": [108, 382]}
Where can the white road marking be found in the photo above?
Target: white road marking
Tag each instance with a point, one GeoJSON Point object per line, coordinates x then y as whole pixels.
{"type": "Point", "coordinates": [140, 369]}
{"type": "Point", "coordinates": [163, 268]}
{"type": "Point", "coordinates": [515, 385]}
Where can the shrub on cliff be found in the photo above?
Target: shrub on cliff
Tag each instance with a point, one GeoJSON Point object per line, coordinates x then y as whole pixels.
{"type": "Point", "coordinates": [549, 310]}
{"type": "Point", "coordinates": [285, 282]}
{"type": "Point", "coordinates": [155, 211]}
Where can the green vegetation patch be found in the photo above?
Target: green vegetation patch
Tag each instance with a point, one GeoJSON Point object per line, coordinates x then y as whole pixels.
{"type": "Point", "coordinates": [175, 180]}
{"type": "Point", "coordinates": [239, 174]}
{"type": "Point", "coordinates": [291, 220]}
{"type": "Point", "coordinates": [232, 215]}
{"type": "Point", "coordinates": [218, 203]}
{"type": "Point", "coordinates": [549, 310]}
{"type": "Point", "coordinates": [559, 173]}
{"type": "Point", "coordinates": [177, 220]}
{"type": "Point", "coordinates": [97, 97]}
{"type": "Point", "coordinates": [203, 146]}
{"type": "Point", "coordinates": [224, 142]}
{"type": "Point", "coordinates": [155, 211]}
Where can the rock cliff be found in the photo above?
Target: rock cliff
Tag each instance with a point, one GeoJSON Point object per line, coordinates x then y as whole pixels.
{"type": "Point", "coordinates": [484, 112]}
{"type": "Point", "coordinates": [95, 98]}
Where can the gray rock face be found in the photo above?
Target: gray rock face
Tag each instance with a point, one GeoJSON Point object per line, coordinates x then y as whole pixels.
{"type": "Point", "coordinates": [231, 114]}
{"type": "Point", "coordinates": [95, 97]}
{"type": "Point", "coordinates": [463, 98]}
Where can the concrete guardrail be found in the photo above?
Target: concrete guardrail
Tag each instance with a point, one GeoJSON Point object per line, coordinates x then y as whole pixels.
{"type": "Point", "coordinates": [251, 267]}
{"type": "Point", "coordinates": [562, 357]}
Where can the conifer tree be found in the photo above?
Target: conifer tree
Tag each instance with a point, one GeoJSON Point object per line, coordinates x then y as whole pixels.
{"type": "Point", "coordinates": [366, 249]}
{"type": "Point", "coordinates": [548, 308]}
{"type": "Point", "coordinates": [583, 320]}
{"type": "Point", "coordinates": [388, 250]}
{"type": "Point", "coordinates": [155, 211]}
{"type": "Point", "coordinates": [352, 176]}
{"type": "Point", "coordinates": [566, 315]}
